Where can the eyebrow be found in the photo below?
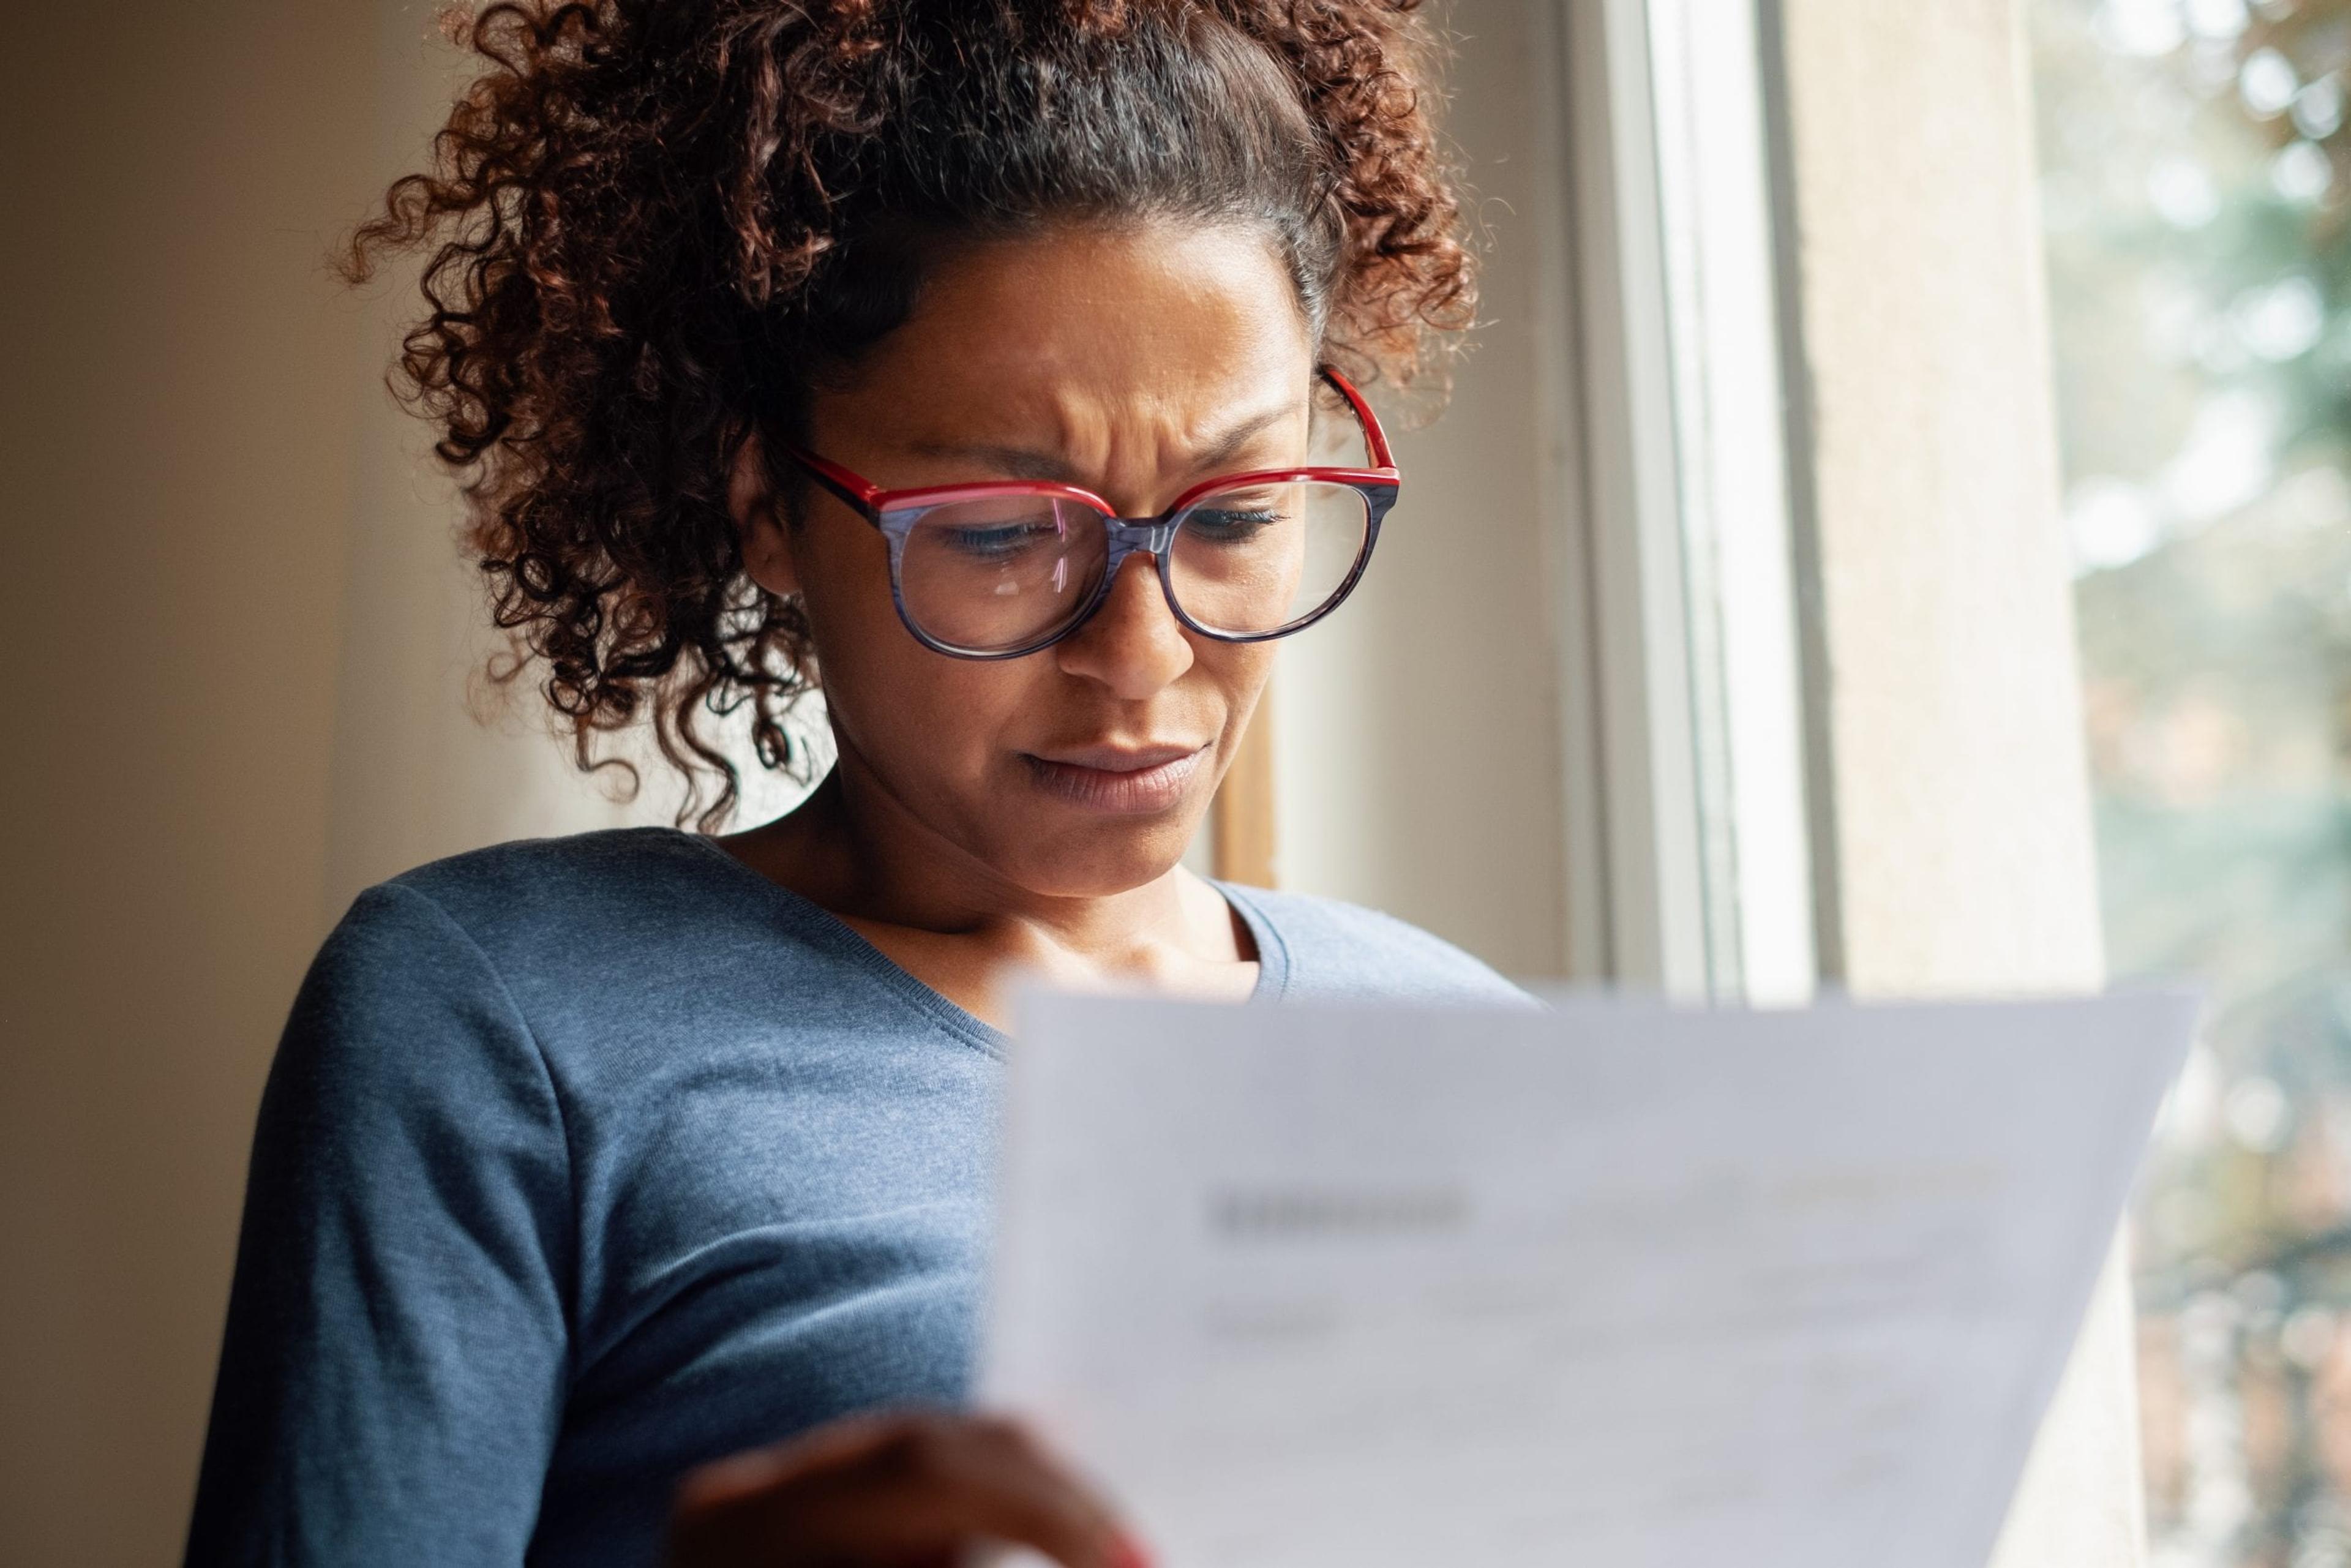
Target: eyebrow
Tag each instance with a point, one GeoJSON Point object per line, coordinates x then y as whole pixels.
{"type": "Point", "coordinates": [1028, 463]}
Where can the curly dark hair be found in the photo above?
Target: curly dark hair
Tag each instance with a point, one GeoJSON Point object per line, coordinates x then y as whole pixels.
{"type": "Point", "coordinates": [651, 227]}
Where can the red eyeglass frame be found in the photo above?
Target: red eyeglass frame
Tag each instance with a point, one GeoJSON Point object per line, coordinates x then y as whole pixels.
{"type": "Point", "coordinates": [895, 514]}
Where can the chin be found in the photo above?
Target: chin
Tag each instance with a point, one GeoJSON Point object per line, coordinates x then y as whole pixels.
{"type": "Point", "coordinates": [1099, 860]}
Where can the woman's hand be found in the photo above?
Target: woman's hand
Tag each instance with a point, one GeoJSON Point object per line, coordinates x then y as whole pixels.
{"type": "Point", "coordinates": [892, 1491]}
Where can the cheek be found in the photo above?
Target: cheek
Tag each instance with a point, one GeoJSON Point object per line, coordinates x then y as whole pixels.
{"type": "Point", "coordinates": [948, 717]}
{"type": "Point", "coordinates": [894, 698]}
{"type": "Point", "coordinates": [1238, 670]}
{"type": "Point", "coordinates": [844, 571]}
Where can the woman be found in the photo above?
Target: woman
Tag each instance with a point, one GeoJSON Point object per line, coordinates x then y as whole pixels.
{"type": "Point", "coordinates": [626, 1194]}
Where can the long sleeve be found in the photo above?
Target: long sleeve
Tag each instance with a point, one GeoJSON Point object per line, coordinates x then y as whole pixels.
{"type": "Point", "coordinates": [394, 1372]}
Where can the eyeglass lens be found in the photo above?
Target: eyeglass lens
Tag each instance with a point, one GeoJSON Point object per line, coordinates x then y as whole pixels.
{"type": "Point", "coordinates": [1263, 557]}
{"type": "Point", "coordinates": [1005, 572]}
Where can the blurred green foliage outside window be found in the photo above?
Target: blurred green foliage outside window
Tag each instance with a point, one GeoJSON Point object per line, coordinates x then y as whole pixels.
{"type": "Point", "coordinates": [2196, 186]}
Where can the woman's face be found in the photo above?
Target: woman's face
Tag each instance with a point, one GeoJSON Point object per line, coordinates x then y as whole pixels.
{"type": "Point", "coordinates": [1134, 363]}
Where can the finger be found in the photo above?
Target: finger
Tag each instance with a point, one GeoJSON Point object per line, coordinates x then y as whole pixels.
{"type": "Point", "coordinates": [835, 1444]}
{"type": "Point", "coordinates": [897, 1488]}
{"type": "Point", "coordinates": [961, 1478]}
{"type": "Point", "coordinates": [1023, 1493]}
{"type": "Point", "coordinates": [748, 1508]}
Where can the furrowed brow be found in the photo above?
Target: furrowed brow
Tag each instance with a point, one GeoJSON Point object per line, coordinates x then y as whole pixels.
{"type": "Point", "coordinates": [1220, 453]}
{"type": "Point", "coordinates": [1011, 462]}
{"type": "Point", "coordinates": [1027, 463]}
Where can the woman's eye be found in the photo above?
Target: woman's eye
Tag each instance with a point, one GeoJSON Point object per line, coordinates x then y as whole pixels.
{"type": "Point", "coordinates": [1222, 525]}
{"type": "Point", "coordinates": [999, 543]}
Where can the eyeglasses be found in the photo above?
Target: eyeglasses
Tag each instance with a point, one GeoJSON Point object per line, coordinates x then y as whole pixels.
{"type": "Point", "coordinates": [1000, 569]}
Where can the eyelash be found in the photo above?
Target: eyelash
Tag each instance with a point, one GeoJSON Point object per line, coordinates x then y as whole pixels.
{"type": "Point", "coordinates": [996, 540]}
{"type": "Point", "coordinates": [1261, 518]}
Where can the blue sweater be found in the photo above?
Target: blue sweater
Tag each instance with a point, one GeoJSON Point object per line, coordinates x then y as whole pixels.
{"type": "Point", "coordinates": [586, 1160]}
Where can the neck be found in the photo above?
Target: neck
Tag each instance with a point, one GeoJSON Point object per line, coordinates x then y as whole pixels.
{"type": "Point", "coordinates": [856, 850]}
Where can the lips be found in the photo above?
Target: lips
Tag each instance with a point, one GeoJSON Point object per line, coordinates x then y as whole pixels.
{"type": "Point", "coordinates": [1118, 758]}
{"type": "Point", "coordinates": [1121, 779]}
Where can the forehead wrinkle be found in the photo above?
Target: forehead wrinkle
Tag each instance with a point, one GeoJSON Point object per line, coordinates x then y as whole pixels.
{"type": "Point", "coordinates": [1087, 441]}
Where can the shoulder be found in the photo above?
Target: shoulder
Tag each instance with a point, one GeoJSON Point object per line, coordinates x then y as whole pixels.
{"type": "Point", "coordinates": [570, 883]}
{"type": "Point", "coordinates": [569, 916]}
{"type": "Point", "coordinates": [478, 921]}
{"type": "Point", "coordinates": [563, 941]}
{"type": "Point", "coordinates": [1334, 948]}
{"type": "Point", "coordinates": [403, 1036]}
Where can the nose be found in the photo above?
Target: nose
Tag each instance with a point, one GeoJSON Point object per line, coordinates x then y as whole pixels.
{"type": "Point", "coordinates": [1133, 644]}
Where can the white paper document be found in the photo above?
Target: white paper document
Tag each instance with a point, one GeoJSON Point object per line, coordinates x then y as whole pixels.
{"type": "Point", "coordinates": [1387, 1287]}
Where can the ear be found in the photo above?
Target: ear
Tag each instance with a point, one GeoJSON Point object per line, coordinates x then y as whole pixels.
{"type": "Point", "coordinates": [766, 537]}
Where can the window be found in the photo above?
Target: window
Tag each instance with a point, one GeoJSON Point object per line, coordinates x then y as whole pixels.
{"type": "Point", "coordinates": [2192, 174]}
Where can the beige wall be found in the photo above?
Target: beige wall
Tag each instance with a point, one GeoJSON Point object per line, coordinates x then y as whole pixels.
{"type": "Point", "coordinates": [1961, 819]}
{"type": "Point", "coordinates": [235, 585]}
{"type": "Point", "coordinates": [231, 588]}
{"type": "Point", "coordinates": [1955, 708]}
{"type": "Point", "coordinates": [1417, 732]}
{"type": "Point", "coordinates": [177, 472]}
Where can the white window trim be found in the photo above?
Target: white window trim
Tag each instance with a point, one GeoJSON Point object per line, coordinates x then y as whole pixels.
{"type": "Point", "coordinates": [1686, 800]}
